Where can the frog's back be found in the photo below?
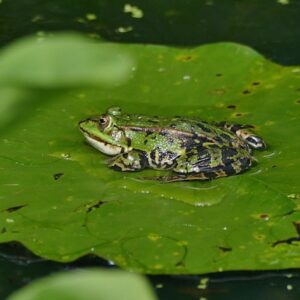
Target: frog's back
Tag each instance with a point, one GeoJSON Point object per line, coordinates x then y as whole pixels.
{"type": "Point", "coordinates": [188, 130]}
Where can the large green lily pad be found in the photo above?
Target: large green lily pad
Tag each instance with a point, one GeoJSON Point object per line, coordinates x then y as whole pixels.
{"type": "Point", "coordinates": [60, 200]}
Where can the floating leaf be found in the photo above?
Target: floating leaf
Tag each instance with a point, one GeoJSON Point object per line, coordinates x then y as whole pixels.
{"type": "Point", "coordinates": [249, 221]}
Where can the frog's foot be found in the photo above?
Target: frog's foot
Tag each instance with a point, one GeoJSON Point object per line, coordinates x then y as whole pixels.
{"type": "Point", "coordinates": [131, 161]}
{"type": "Point", "coordinates": [242, 132]}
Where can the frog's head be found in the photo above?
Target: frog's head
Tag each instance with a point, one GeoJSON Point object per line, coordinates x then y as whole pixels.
{"type": "Point", "coordinates": [103, 133]}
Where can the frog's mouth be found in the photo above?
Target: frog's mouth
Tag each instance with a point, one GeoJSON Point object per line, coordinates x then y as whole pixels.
{"type": "Point", "coordinates": [100, 144]}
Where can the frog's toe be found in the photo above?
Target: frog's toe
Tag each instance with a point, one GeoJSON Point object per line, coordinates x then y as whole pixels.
{"type": "Point", "coordinates": [255, 142]}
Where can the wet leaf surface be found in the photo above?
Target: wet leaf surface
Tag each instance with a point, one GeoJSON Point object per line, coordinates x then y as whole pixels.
{"type": "Point", "coordinates": [60, 200]}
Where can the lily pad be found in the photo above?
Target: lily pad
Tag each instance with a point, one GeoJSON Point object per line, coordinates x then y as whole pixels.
{"type": "Point", "coordinates": [60, 200]}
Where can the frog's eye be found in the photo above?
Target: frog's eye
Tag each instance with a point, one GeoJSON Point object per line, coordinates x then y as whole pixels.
{"type": "Point", "coordinates": [104, 122]}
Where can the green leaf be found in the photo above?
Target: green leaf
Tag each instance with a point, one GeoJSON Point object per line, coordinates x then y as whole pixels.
{"type": "Point", "coordinates": [60, 200]}
{"type": "Point", "coordinates": [88, 284]}
{"type": "Point", "coordinates": [62, 60]}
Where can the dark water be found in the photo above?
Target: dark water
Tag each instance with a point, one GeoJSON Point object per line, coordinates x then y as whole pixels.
{"type": "Point", "coordinates": [19, 267]}
{"type": "Point", "coordinates": [270, 26]}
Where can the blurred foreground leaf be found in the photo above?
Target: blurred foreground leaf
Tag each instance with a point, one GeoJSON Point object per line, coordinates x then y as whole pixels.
{"type": "Point", "coordinates": [62, 60]}
{"type": "Point", "coordinates": [88, 284]}
{"type": "Point", "coordinates": [55, 62]}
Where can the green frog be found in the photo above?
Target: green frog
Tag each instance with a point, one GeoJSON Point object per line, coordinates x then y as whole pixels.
{"type": "Point", "coordinates": [192, 149]}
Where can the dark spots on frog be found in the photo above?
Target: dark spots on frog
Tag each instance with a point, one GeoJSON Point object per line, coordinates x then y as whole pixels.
{"type": "Point", "coordinates": [95, 206]}
{"type": "Point", "coordinates": [203, 127]}
{"type": "Point", "coordinates": [148, 132]}
{"type": "Point", "coordinates": [14, 208]}
{"type": "Point", "coordinates": [173, 125]}
{"type": "Point", "coordinates": [116, 168]}
{"type": "Point", "coordinates": [246, 92]}
{"type": "Point", "coordinates": [145, 142]}
{"type": "Point", "coordinates": [3, 230]}
{"type": "Point", "coordinates": [234, 127]}
{"type": "Point", "coordinates": [231, 106]}
{"type": "Point", "coordinates": [225, 249]}
{"type": "Point", "coordinates": [136, 129]}
{"type": "Point", "coordinates": [57, 176]}
{"type": "Point", "coordinates": [228, 169]}
{"type": "Point", "coordinates": [255, 83]}
{"type": "Point", "coordinates": [298, 101]}
{"type": "Point", "coordinates": [219, 75]}
{"type": "Point", "coordinates": [228, 155]}
{"type": "Point", "coordinates": [218, 139]}
{"type": "Point", "coordinates": [274, 166]}
{"type": "Point", "coordinates": [225, 136]}
{"type": "Point", "coordinates": [163, 133]}
{"type": "Point", "coordinates": [152, 154]}
{"type": "Point", "coordinates": [290, 240]}
{"type": "Point", "coordinates": [143, 159]}
{"type": "Point", "coordinates": [128, 142]}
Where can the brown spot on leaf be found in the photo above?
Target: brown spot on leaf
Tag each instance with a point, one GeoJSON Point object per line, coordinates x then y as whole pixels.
{"type": "Point", "coordinates": [185, 58]}
{"type": "Point", "coordinates": [225, 249]}
{"type": "Point", "coordinates": [57, 176]}
{"type": "Point", "coordinates": [94, 206]}
{"type": "Point", "coordinates": [246, 92]}
{"type": "Point", "coordinates": [15, 208]}
{"type": "Point", "coordinates": [231, 106]}
{"type": "Point", "coordinates": [264, 216]}
{"type": "Point", "coordinates": [238, 114]}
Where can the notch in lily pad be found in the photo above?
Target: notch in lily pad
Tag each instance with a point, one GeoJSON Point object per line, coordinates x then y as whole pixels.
{"type": "Point", "coordinates": [61, 61]}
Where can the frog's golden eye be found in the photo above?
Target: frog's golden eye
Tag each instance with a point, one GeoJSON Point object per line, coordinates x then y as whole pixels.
{"type": "Point", "coordinates": [104, 122]}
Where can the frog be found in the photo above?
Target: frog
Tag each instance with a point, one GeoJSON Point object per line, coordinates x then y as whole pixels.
{"type": "Point", "coordinates": [188, 148]}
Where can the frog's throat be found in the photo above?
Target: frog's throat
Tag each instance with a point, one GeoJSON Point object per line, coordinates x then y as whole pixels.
{"type": "Point", "coordinates": [103, 146]}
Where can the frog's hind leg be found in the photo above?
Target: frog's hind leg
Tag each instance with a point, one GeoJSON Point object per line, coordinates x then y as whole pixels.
{"type": "Point", "coordinates": [209, 164]}
{"type": "Point", "coordinates": [243, 132]}
{"type": "Point", "coordinates": [131, 161]}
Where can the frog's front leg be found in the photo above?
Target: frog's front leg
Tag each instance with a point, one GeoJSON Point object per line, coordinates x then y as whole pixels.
{"type": "Point", "coordinates": [242, 132]}
{"type": "Point", "coordinates": [131, 161]}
